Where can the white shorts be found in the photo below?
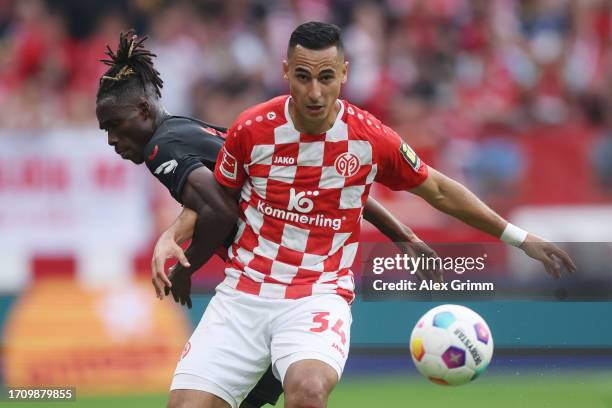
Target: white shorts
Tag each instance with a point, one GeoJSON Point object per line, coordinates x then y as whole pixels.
{"type": "Point", "coordinates": [241, 334]}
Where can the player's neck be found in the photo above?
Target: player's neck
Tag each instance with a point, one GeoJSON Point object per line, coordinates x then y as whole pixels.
{"type": "Point", "coordinates": [303, 125]}
{"type": "Point", "coordinates": [161, 115]}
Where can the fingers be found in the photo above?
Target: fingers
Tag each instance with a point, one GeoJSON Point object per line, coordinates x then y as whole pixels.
{"type": "Point", "coordinates": [181, 288]}
{"type": "Point", "coordinates": [165, 279]}
{"type": "Point", "coordinates": [163, 251]}
{"type": "Point", "coordinates": [160, 280]}
{"type": "Point", "coordinates": [161, 283]}
{"type": "Point", "coordinates": [158, 284]}
{"type": "Point", "coordinates": [557, 257]}
{"type": "Point", "coordinates": [422, 248]}
{"type": "Point", "coordinates": [183, 298]}
{"type": "Point", "coordinates": [158, 288]}
{"type": "Point", "coordinates": [438, 275]}
{"type": "Point", "coordinates": [175, 295]}
{"type": "Point", "coordinates": [172, 272]}
{"type": "Point", "coordinates": [565, 258]}
{"type": "Point", "coordinates": [548, 269]}
{"type": "Point", "coordinates": [180, 255]}
{"type": "Point", "coordinates": [155, 268]}
{"type": "Point", "coordinates": [552, 266]}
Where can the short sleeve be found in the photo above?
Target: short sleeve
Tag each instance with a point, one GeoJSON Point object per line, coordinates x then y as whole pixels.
{"type": "Point", "coordinates": [229, 170]}
{"type": "Point", "coordinates": [171, 160]}
{"type": "Point", "coordinates": [399, 167]}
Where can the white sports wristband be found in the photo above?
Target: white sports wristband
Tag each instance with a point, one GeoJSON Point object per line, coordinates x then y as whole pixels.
{"type": "Point", "coordinates": [513, 235]}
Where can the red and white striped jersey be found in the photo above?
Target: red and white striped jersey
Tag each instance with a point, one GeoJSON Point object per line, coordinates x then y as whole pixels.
{"type": "Point", "coordinates": [303, 195]}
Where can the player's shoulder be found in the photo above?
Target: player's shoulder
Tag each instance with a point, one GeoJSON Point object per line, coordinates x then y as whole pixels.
{"type": "Point", "coordinates": [272, 109]}
{"type": "Point", "coordinates": [361, 122]}
{"type": "Point", "coordinates": [177, 135]}
{"type": "Point", "coordinates": [261, 119]}
{"type": "Point", "coordinates": [184, 130]}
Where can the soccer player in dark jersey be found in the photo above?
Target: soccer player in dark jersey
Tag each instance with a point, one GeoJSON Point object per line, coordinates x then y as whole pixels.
{"type": "Point", "coordinates": [181, 153]}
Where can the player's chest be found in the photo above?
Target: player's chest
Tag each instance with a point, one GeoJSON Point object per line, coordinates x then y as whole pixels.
{"type": "Point", "coordinates": [314, 164]}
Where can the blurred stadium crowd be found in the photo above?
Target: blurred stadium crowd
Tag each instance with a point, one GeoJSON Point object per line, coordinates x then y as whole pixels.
{"type": "Point", "coordinates": [469, 83]}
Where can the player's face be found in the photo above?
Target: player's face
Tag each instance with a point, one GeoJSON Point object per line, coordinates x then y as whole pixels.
{"type": "Point", "coordinates": [315, 78]}
{"type": "Point", "coordinates": [129, 127]}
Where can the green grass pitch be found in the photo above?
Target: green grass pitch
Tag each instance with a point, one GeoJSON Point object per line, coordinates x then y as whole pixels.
{"type": "Point", "coordinates": [578, 390]}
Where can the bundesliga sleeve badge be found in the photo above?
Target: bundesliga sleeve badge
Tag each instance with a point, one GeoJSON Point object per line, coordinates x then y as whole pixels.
{"type": "Point", "coordinates": [410, 156]}
{"type": "Point", "coordinates": [229, 165]}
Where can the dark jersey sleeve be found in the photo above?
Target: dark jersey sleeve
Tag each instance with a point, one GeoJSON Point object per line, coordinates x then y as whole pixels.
{"type": "Point", "coordinates": [178, 147]}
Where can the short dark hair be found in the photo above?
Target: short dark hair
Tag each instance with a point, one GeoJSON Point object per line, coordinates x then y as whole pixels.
{"type": "Point", "coordinates": [131, 69]}
{"type": "Point", "coordinates": [315, 35]}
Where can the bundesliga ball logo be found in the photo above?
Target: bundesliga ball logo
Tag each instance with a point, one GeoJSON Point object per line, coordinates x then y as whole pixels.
{"type": "Point", "coordinates": [347, 164]}
{"type": "Point", "coordinates": [451, 345]}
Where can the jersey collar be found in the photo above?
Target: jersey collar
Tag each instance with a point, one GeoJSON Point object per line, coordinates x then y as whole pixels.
{"type": "Point", "coordinates": [336, 122]}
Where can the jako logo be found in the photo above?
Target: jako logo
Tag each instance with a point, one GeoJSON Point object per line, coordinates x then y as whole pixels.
{"type": "Point", "coordinates": [347, 164]}
{"type": "Point", "coordinates": [167, 167]}
{"type": "Point", "coordinates": [300, 202]}
{"type": "Point", "coordinates": [284, 160]}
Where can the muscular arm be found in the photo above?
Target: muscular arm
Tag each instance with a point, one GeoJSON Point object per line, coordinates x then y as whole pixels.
{"type": "Point", "coordinates": [215, 218]}
{"type": "Point", "coordinates": [452, 198]}
{"type": "Point", "coordinates": [216, 212]}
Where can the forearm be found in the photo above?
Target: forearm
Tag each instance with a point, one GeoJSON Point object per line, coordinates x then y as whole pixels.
{"type": "Point", "coordinates": [385, 222]}
{"type": "Point", "coordinates": [454, 199]}
{"type": "Point", "coordinates": [209, 234]}
{"type": "Point", "coordinates": [182, 228]}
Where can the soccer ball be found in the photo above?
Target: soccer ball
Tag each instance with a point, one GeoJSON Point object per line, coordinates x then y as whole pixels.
{"type": "Point", "coordinates": [451, 345]}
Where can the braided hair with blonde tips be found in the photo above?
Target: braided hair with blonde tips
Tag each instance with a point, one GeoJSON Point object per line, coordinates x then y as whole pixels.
{"type": "Point", "coordinates": [131, 68]}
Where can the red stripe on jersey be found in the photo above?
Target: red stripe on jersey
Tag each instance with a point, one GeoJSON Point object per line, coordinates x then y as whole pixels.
{"type": "Point", "coordinates": [298, 291]}
{"type": "Point", "coordinates": [246, 284]}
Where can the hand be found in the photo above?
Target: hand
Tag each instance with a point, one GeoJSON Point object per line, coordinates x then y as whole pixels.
{"type": "Point", "coordinates": [165, 248]}
{"type": "Point", "coordinates": [181, 285]}
{"type": "Point", "coordinates": [549, 254]}
{"type": "Point", "coordinates": [415, 247]}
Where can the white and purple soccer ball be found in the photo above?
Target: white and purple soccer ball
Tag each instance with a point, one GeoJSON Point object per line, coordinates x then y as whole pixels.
{"type": "Point", "coordinates": [451, 345]}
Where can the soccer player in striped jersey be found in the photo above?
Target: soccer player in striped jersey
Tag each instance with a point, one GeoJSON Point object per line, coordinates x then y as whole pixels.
{"type": "Point", "coordinates": [302, 166]}
{"type": "Point", "coordinates": [181, 153]}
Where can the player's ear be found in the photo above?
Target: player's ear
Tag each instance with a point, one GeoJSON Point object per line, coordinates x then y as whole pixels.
{"type": "Point", "coordinates": [144, 108]}
{"type": "Point", "coordinates": [345, 68]}
{"type": "Point", "coordinates": [285, 70]}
